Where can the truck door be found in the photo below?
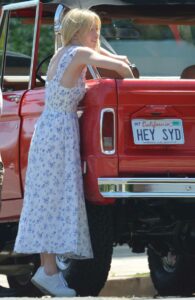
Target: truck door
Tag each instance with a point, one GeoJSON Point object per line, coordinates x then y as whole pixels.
{"type": "Point", "coordinates": [16, 59]}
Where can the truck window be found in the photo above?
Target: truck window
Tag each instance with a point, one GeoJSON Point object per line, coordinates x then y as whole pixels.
{"type": "Point", "coordinates": [158, 50]}
{"type": "Point", "coordinates": [46, 49]}
{"type": "Point", "coordinates": [18, 50]}
{"type": "Point", "coordinates": [3, 31]}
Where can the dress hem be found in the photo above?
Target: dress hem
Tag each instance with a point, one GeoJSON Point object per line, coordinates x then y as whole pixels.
{"type": "Point", "coordinates": [66, 254]}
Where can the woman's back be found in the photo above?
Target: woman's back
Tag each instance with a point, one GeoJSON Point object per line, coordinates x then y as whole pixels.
{"type": "Point", "coordinates": [58, 96]}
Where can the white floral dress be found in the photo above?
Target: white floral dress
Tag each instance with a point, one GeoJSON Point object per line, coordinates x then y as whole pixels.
{"type": "Point", "coordinates": [53, 218]}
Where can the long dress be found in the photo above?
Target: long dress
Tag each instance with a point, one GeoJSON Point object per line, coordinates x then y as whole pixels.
{"type": "Point", "coordinates": [53, 217]}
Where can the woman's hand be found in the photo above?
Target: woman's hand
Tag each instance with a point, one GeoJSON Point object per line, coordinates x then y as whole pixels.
{"type": "Point", "coordinates": [132, 66]}
{"type": "Point", "coordinates": [123, 58]}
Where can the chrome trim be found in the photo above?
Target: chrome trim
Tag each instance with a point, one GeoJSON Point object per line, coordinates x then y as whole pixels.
{"type": "Point", "coordinates": [58, 17]}
{"type": "Point", "coordinates": [147, 187]}
{"type": "Point", "coordinates": [94, 72]}
{"type": "Point", "coordinates": [4, 22]}
{"type": "Point", "coordinates": [20, 5]}
{"type": "Point", "coordinates": [107, 45]}
{"type": "Point", "coordinates": [110, 152]}
{"type": "Point", "coordinates": [57, 25]}
{"type": "Point", "coordinates": [34, 42]}
{"type": "Point", "coordinates": [14, 98]}
{"type": "Point", "coordinates": [84, 167]}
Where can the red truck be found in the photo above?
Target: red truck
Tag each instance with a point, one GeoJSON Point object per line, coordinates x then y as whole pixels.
{"type": "Point", "coordinates": [137, 137]}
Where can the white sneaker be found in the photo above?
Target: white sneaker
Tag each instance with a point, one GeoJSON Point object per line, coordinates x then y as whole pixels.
{"type": "Point", "coordinates": [62, 262]}
{"type": "Point", "coordinates": [54, 285]}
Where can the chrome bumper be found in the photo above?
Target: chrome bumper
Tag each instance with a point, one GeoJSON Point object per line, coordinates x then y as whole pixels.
{"type": "Point", "coordinates": [147, 187]}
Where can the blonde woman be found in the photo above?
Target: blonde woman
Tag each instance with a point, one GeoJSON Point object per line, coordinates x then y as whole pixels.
{"type": "Point", "coordinates": [53, 219]}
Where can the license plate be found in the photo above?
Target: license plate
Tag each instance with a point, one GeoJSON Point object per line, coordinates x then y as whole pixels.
{"type": "Point", "coordinates": [163, 131]}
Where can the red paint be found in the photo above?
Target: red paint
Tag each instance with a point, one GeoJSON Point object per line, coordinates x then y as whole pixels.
{"type": "Point", "coordinates": [153, 100]}
{"type": "Point", "coordinates": [130, 99]}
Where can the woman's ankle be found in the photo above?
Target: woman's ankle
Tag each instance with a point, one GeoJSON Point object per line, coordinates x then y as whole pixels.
{"type": "Point", "coordinates": [50, 272]}
{"type": "Point", "coordinates": [49, 261]}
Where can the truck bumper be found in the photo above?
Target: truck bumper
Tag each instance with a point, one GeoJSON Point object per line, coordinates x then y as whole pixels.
{"type": "Point", "coordinates": [147, 187]}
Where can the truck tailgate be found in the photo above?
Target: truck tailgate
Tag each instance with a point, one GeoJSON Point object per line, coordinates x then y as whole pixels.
{"type": "Point", "coordinates": [156, 126]}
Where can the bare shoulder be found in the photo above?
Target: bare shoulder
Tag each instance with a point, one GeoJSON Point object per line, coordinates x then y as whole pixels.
{"type": "Point", "coordinates": [83, 54]}
{"type": "Point", "coordinates": [81, 50]}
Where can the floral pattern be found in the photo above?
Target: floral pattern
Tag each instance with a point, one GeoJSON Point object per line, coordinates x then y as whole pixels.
{"type": "Point", "coordinates": [53, 217]}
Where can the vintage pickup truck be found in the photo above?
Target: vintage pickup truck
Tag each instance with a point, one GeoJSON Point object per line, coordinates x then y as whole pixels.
{"type": "Point", "coordinates": [137, 137]}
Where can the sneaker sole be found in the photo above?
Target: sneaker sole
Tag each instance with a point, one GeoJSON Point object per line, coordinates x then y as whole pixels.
{"type": "Point", "coordinates": [42, 289]}
{"type": "Point", "coordinates": [46, 292]}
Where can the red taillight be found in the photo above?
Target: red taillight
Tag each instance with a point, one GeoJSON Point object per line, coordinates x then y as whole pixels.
{"type": "Point", "coordinates": [107, 131]}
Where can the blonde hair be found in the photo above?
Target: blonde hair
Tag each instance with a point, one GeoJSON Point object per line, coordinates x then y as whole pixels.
{"type": "Point", "coordinates": [78, 20]}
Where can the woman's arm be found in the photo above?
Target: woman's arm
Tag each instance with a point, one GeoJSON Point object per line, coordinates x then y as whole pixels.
{"type": "Point", "coordinates": [87, 56]}
{"type": "Point", "coordinates": [116, 56]}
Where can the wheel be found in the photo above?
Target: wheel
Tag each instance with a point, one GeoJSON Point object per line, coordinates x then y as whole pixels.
{"type": "Point", "coordinates": [173, 274]}
{"type": "Point", "coordinates": [22, 283]}
{"type": "Point", "coordinates": [88, 276]}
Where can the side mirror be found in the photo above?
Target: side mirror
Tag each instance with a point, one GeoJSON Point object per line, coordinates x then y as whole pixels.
{"type": "Point", "coordinates": [57, 25]}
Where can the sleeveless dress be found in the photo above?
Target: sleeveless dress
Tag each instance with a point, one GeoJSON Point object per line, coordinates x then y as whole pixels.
{"type": "Point", "coordinates": [53, 217]}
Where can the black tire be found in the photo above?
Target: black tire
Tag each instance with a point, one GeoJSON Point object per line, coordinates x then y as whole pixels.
{"type": "Point", "coordinates": [88, 277]}
{"type": "Point", "coordinates": [22, 283]}
{"type": "Point", "coordinates": [174, 280]}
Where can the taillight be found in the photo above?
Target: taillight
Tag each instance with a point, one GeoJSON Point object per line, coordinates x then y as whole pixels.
{"type": "Point", "coordinates": [107, 131]}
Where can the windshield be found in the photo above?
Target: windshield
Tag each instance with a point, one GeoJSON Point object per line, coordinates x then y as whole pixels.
{"type": "Point", "coordinates": [157, 50]}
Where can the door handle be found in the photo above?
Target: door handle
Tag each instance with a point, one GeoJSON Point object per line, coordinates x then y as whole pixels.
{"type": "Point", "coordinates": [14, 98]}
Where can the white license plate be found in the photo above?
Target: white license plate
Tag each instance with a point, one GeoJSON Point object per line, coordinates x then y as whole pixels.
{"type": "Point", "coordinates": [163, 131]}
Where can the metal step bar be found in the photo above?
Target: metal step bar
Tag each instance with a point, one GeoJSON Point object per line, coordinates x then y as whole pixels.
{"type": "Point", "coordinates": [147, 187]}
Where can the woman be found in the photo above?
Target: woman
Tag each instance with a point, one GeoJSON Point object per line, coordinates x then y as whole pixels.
{"type": "Point", "coordinates": [53, 219]}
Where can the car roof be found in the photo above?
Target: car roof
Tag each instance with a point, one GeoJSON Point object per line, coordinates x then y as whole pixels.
{"type": "Point", "coordinates": [175, 11]}
{"type": "Point", "coordinates": [156, 11]}
{"type": "Point", "coordinates": [92, 3]}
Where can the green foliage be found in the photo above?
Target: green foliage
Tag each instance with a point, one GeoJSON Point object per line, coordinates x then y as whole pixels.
{"type": "Point", "coordinates": [20, 39]}
{"type": "Point", "coordinates": [46, 42]}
